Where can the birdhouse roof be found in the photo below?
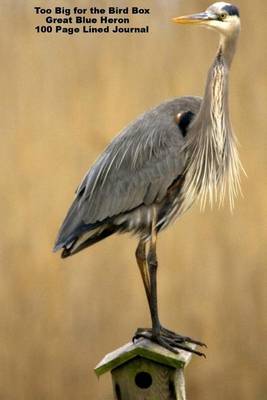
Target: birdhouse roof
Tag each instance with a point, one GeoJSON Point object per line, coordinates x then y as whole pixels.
{"type": "Point", "coordinates": [142, 348]}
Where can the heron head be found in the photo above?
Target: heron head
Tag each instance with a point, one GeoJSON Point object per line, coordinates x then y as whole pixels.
{"type": "Point", "coordinates": [222, 17]}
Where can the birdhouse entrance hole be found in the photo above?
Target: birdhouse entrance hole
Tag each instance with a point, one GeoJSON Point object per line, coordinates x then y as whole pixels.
{"type": "Point", "coordinates": [143, 380]}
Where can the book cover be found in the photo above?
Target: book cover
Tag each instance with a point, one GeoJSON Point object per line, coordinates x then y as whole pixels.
{"type": "Point", "coordinates": [74, 73]}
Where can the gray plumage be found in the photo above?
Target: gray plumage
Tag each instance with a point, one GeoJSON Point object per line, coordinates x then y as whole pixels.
{"type": "Point", "coordinates": [157, 168]}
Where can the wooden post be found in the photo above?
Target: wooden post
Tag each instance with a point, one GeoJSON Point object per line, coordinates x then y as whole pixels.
{"type": "Point", "coordinates": [146, 371]}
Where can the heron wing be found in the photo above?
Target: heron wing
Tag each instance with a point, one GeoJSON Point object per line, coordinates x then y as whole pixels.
{"type": "Point", "coordinates": [136, 168]}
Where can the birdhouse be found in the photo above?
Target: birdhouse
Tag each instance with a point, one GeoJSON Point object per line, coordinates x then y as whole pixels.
{"type": "Point", "coordinates": [143, 370]}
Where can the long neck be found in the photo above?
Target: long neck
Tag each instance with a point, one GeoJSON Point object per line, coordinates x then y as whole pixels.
{"type": "Point", "coordinates": [212, 156]}
{"type": "Point", "coordinates": [228, 47]}
{"type": "Point", "coordinates": [215, 100]}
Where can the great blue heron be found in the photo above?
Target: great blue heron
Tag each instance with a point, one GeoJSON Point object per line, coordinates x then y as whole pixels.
{"type": "Point", "coordinates": [154, 170]}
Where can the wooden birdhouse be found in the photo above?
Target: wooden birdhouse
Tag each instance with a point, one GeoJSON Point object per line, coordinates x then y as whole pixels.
{"type": "Point", "coordinates": [145, 371]}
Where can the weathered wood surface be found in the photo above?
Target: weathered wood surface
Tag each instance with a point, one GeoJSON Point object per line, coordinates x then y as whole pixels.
{"type": "Point", "coordinates": [144, 348]}
{"type": "Point", "coordinates": [162, 382]}
{"type": "Point", "coordinates": [145, 371]}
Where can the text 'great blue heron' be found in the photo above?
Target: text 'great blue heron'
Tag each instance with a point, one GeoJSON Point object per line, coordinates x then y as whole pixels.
{"type": "Point", "coordinates": [154, 170]}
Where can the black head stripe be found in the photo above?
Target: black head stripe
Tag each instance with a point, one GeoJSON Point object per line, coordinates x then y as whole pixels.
{"type": "Point", "coordinates": [231, 10]}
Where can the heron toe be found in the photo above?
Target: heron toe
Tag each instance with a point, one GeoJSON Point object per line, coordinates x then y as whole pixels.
{"type": "Point", "coordinates": [170, 340]}
{"type": "Point", "coordinates": [181, 338]}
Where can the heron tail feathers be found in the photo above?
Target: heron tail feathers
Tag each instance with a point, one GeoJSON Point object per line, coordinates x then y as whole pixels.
{"type": "Point", "coordinates": [87, 239]}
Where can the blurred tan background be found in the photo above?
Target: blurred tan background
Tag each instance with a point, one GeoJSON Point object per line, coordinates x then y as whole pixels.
{"type": "Point", "coordinates": [63, 99]}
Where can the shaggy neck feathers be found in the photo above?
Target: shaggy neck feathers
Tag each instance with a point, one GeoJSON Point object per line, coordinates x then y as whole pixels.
{"type": "Point", "coordinates": [213, 166]}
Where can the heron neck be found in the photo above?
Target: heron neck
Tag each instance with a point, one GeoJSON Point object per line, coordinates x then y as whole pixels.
{"type": "Point", "coordinates": [214, 106]}
{"type": "Point", "coordinates": [227, 47]}
{"type": "Point", "coordinates": [215, 100]}
{"type": "Point", "coordinates": [213, 160]}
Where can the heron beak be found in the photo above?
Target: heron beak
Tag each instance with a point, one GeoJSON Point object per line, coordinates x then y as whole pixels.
{"type": "Point", "coordinates": [200, 18]}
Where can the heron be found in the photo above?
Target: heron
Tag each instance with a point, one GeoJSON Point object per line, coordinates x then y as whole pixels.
{"type": "Point", "coordinates": [180, 151]}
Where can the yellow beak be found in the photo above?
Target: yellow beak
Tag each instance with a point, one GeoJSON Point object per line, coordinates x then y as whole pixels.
{"type": "Point", "coordinates": [200, 18]}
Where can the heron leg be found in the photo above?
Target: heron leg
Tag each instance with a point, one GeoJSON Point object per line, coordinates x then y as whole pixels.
{"type": "Point", "coordinates": [140, 255]}
{"type": "Point", "coordinates": [152, 267]}
{"type": "Point", "coordinates": [148, 267]}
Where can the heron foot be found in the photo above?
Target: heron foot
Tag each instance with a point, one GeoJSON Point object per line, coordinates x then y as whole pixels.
{"type": "Point", "coordinates": [169, 340]}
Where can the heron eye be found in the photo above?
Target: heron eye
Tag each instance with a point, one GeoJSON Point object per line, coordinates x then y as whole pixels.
{"type": "Point", "coordinates": [222, 16]}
